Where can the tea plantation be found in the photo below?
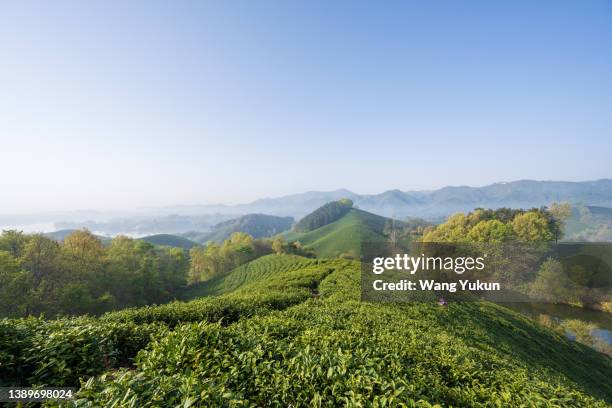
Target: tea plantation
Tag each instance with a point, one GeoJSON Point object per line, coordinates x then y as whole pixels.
{"type": "Point", "coordinates": [248, 273]}
{"type": "Point", "coordinates": [299, 336]}
{"type": "Point", "coordinates": [343, 236]}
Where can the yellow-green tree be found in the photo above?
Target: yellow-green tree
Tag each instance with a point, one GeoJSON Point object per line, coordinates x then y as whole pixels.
{"type": "Point", "coordinates": [490, 231]}
{"type": "Point", "coordinates": [278, 244]}
{"type": "Point", "coordinates": [455, 229]}
{"type": "Point", "coordinates": [532, 226]}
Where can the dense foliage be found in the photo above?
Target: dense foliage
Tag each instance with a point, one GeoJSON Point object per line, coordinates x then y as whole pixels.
{"type": "Point", "coordinates": [500, 225]}
{"type": "Point", "coordinates": [82, 276]}
{"type": "Point", "coordinates": [581, 284]}
{"type": "Point", "coordinates": [216, 259]}
{"type": "Point", "coordinates": [324, 215]}
{"type": "Point", "coordinates": [283, 330]}
{"type": "Point", "coordinates": [303, 338]}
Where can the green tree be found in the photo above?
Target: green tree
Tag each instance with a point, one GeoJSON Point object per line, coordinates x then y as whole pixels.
{"type": "Point", "coordinates": [324, 215]}
{"type": "Point", "coordinates": [532, 226]}
{"type": "Point", "coordinates": [14, 242]}
{"type": "Point", "coordinates": [552, 284]}
{"type": "Point", "coordinates": [560, 212]}
{"type": "Point", "coordinates": [455, 229]}
{"type": "Point", "coordinates": [278, 245]}
{"type": "Point", "coordinates": [490, 231]}
{"type": "Point", "coordinates": [14, 286]}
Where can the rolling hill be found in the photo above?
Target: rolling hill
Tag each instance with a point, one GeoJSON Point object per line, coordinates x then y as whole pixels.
{"type": "Point", "coordinates": [344, 236]}
{"type": "Point", "coordinates": [300, 338]}
{"type": "Point", "coordinates": [256, 225]}
{"type": "Point", "coordinates": [250, 272]}
{"type": "Point", "coordinates": [170, 240]}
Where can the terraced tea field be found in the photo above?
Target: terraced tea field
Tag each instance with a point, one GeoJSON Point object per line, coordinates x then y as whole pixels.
{"type": "Point", "coordinates": [299, 336]}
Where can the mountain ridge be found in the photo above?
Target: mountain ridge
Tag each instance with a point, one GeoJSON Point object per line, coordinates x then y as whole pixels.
{"type": "Point", "coordinates": [437, 203]}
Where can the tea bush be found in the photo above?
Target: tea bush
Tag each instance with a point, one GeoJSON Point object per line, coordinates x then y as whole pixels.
{"type": "Point", "coordinates": [59, 352]}
{"type": "Point", "coordinates": [250, 272]}
{"type": "Point", "coordinates": [303, 338]}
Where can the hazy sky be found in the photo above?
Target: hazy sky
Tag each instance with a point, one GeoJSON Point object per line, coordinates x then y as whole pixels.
{"type": "Point", "coordinates": [128, 104]}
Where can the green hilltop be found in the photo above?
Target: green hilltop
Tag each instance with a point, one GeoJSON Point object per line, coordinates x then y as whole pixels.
{"type": "Point", "coordinates": [344, 236]}
{"type": "Point", "coordinates": [170, 241]}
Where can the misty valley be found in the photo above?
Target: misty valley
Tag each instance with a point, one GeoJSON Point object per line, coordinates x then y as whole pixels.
{"type": "Point", "coordinates": [272, 300]}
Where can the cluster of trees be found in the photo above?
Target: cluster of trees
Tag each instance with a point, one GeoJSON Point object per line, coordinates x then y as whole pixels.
{"type": "Point", "coordinates": [585, 283]}
{"type": "Point", "coordinates": [280, 246]}
{"type": "Point", "coordinates": [82, 276]}
{"type": "Point", "coordinates": [409, 229]}
{"type": "Point", "coordinates": [577, 275]}
{"type": "Point", "coordinates": [503, 224]}
{"type": "Point", "coordinates": [324, 215]}
{"type": "Point", "coordinates": [215, 259]}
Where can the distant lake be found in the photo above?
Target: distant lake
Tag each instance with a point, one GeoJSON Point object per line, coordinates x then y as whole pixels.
{"type": "Point", "coordinates": [30, 228]}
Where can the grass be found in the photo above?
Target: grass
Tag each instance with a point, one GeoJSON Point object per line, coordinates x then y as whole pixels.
{"type": "Point", "coordinates": [343, 236]}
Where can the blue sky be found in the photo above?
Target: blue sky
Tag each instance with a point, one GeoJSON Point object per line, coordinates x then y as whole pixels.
{"type": "Point", "coordinates": [111, 105]}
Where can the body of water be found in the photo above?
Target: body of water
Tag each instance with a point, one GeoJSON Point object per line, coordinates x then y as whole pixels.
{"type": "Point", "coordinates": [559, 313]}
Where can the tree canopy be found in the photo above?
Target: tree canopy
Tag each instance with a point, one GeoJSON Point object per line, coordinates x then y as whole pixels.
{"type": "Point", "coordinates": [324, 215]}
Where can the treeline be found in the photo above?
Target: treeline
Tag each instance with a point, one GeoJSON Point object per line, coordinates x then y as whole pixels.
{"type": "Point", "coordinates": [216, 259]}
{"type": "Point", "coordinates": [82, 276]}
{"type": "Point", "coordinates": [501, 225]}
{"type": "Point", "coordinates": [580, 278]}
{"type": "Point", "coordinates": [412, 228]}
{"type": "Point", "coordinates": [324, 215]}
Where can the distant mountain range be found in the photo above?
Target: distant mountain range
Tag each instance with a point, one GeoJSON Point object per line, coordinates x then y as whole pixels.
{"type": "Point", "coordinates": [433, 204]}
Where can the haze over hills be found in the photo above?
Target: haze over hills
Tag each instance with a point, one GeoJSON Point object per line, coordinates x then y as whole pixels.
{"type": "Point", "coordinates": [432, 205]}
{"type": "Point", "coordinates": [589, 223]}
{"type": "Point", "coordinates": [256, 225]}
{"type": "Point", "coordinates": [139, 226]}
